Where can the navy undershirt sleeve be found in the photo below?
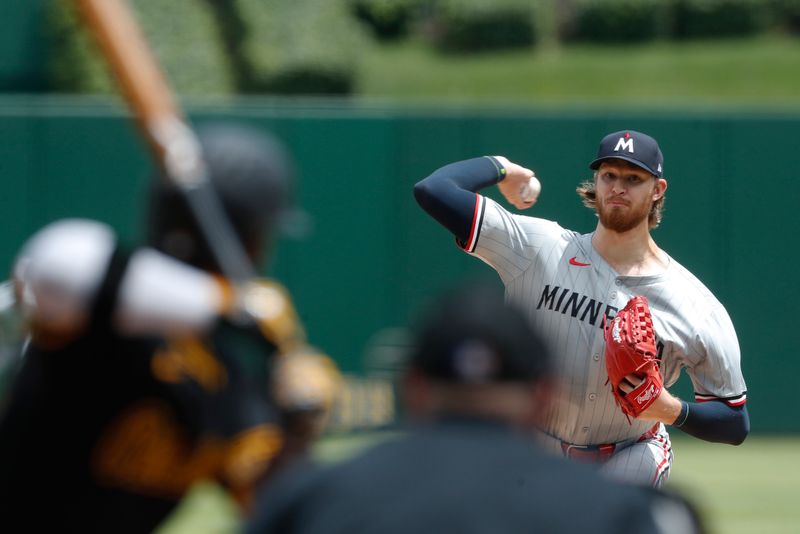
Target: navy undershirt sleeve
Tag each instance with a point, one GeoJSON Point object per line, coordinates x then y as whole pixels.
{"type": "Point", "coordinates": [714, 421]}
{"type": "Point", "coordinates": [448, 195]}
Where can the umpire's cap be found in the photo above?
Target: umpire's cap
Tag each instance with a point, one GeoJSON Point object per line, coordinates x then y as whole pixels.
{"type": "Point", "coordinates": [251, 172]}
{"type": "Point", "coordinates": [633, 147]}
{"type": "Point", "coordinates": [472, 336]}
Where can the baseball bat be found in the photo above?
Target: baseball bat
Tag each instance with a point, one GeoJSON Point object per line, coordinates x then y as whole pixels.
{"type": "Point", "coordinates": [171, 139]}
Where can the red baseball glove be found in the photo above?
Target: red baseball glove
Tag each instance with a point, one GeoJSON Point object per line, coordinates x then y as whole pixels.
{"type": "Point", "coordinates": [631, 350]}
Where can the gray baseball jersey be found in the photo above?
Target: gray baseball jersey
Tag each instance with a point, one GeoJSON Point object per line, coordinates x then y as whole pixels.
{"type": "Point", "coordinates": [567, 288]}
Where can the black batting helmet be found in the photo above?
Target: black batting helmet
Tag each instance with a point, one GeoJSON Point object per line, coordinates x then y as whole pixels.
{"type": "Point", "coordinates": [251, 172]}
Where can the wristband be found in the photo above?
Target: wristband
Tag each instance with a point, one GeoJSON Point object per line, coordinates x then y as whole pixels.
{"type": "Point", "coordinates": [501, 171]}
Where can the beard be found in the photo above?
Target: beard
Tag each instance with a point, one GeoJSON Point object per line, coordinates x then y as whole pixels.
{"type": "Point", "coordinates": [622, 219]}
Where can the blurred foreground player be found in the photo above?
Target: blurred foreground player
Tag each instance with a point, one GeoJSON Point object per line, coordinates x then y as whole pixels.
{"type": "Point", "coordinates": [478, 383]}
{"type": "Point", "coordinates": [138, 380]}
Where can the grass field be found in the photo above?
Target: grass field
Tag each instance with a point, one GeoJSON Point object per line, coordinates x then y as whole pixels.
{"type": "Point", "coordinates": [756, 72]}
{"type": "Point", "coordinates": [749, 489]}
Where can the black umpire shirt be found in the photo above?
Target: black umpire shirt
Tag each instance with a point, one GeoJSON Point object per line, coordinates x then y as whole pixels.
{"type": "Point", "coordinates": [463, 476]}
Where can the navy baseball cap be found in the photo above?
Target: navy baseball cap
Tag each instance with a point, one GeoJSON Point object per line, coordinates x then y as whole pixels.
{"type": "Point", "coordinates": [472, 336]}
{"type": "Point", "coordinates": [633, 147]}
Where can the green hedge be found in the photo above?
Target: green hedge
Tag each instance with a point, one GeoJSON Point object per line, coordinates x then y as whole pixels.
{"type": "Point", "coordinates": [309, 46]}
{"type": "Point", "coordinates": [787, 15]}
{"type": "Point", "coordinates": [73, 65]}
{"type": "Point", "coordinates": [609, 21]}
{"type": "Point", "coordinates": [182, 33]}
{"type": "Point", "coordinates": [618, 21]}
{"type": "Point", "coordinates": [720, 18]}
{"type": "Point", "coordinates": [476, 25]}
{"type": "Point", "coordinates": [387, 19]}
{"type": "Point", "coordinates": [222, 46]}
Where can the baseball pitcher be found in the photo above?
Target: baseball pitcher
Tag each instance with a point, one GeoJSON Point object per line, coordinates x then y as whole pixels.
{"type": "Point", "coordinates": [622, 316]}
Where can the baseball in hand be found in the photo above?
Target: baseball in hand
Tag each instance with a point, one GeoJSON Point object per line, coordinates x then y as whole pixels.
{"type": "Point", "coordinates": [530, 191]}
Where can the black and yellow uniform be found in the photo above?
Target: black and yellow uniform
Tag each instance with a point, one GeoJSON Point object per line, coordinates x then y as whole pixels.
{"type": "Point", "coordinates": [105, 430]}
{"type": "Point", "coordinates": [107, 433]}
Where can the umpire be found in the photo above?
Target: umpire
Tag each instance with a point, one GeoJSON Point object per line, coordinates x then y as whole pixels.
{"type": "Point", "coordinates": [477, 383]}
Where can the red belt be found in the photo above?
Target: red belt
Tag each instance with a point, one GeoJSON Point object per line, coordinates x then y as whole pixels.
{"type": "Point", "coordinates": [600, 453]}
{"type": "Point", "coordinates": [588, 453]}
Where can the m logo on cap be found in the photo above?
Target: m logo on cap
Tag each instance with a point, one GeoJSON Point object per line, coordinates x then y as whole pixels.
{"type": "Point", "coordinates": [625, 143]}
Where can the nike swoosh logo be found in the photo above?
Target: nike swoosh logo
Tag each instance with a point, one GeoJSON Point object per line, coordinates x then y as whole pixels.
{"type": "Point", "coordinates": [576, 263]}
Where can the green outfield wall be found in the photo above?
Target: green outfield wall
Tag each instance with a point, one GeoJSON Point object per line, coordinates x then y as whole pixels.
{"type": "Point", "coordinates": [370, 257]}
